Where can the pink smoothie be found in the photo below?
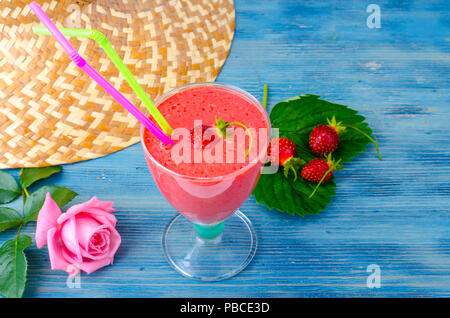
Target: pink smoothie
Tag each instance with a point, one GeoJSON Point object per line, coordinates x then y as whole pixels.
{"type": "Point", "coordinates": [208, 192]}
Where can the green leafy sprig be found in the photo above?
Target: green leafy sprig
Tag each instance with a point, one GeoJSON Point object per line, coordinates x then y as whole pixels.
{"type": "Point", "coordinates": [13, 261]}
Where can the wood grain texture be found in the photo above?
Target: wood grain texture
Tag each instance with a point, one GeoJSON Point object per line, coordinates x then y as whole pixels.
{"type": "Point", "coordinates": [394, 213]}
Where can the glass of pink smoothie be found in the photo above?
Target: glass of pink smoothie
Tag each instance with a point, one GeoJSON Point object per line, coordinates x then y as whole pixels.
{"type": "Point", "coordinates": [210, 239]}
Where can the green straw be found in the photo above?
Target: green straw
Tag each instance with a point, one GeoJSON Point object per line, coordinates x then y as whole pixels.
{"type": "Point", "coordinates": [103, 41]}
{"type": "Point", "coordinates": [265, 96]}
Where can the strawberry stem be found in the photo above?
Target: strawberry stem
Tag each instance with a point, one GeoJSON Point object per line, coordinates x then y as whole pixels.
{"type": "Point", "coordinates": [374, 141]}
{"type": "Point", "coordinates": [336, 125]}
{"type": "Point", "coordinates": [320, 182]}
{"type": "Point", "coordinates": [222, 126]}
{"type": "Point", "coordinates": [293, 170]}
{"type": "Point", "coordinates": [292, 164]}
{"type": "Point", "coordinates": [249, 133]}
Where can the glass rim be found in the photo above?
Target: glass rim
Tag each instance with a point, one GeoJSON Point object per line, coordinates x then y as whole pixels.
{"type": "Point", "coordinates": [215, 84]}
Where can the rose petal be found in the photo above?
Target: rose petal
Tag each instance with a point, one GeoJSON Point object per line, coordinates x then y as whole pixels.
{"type": "Point", "coordinates": [102, 217]}
{"type": "Point", "coordinates": [46, 220]}
{"type": "Point", "coordinates": [114, 242]}
{"type": "Point", "coordinates": [55, 251]}
{"type": "Point", "coordinates": [92, 206]}
{"type": "Point", "coordinates": [69, 237]}
{"type": "Point", "coordinates": [99, 241]}
{"type": "Point", "coordinates": [92, 266]}
{"type": "Point", "coordinates": [86, 227]}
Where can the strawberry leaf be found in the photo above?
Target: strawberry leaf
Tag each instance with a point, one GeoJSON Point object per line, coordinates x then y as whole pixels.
{"type": "Point", "coordinates": [296, 118]}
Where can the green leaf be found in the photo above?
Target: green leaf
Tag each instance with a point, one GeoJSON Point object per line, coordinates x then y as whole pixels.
{"type": "Point", "coordinates": [286, 195]}
{"type": "Point", "coordinates": [9, 189]}
{"type": "Point", "coordinates": [296, 118]}
{"type": "Point", "coordinates": [9, 218]}
{"type": "Point", "coordinates": [34, 202]}
{"type": "Point", "coordinates": [31, 175]}
{"type": "Point", "coordinates": [13, 267]}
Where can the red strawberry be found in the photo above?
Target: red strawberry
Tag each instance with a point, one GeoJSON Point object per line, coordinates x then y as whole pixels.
{"type": "Point", "coordinates": [324, 139]}
{"type": "Point", "coordinates": [281, 152]}
{"type": "Point", "coordinates": [285, 149]}
{"type": "Point", "coordinates": [320, 171]}
{"type": "Point", "coordinates": [201, 136]}
{"type": "Point", "coordinates": [316, 169]}
{"type": "Point", "coordinates": [198, 137]}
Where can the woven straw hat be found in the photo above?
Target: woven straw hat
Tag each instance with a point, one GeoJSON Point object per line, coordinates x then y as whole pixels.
{"type": "Point", "coordinates": [52, 113]}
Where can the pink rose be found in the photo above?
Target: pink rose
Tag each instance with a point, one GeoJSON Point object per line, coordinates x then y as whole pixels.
{"type": "Point", "coordinates": [83, 238]}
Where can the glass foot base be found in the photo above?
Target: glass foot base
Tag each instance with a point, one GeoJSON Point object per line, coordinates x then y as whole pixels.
{"type": "Point", "coordinates": [210, 259]}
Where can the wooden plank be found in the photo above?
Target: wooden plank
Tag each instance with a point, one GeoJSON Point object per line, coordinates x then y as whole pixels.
{"type": "Point", "coordinates": [394, 213]}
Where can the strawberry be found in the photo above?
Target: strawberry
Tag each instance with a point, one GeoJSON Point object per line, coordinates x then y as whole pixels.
{"type": "Point", "coordinates": [315, 170]}
{"type": "Point", "coordinates": [324, 139]}
{"type": "Point", "coordinates": [281, 152]}
{"type": "Point", "coordinates": [198, 137]}
{"type": "Point", "coordinates": [320, 171]}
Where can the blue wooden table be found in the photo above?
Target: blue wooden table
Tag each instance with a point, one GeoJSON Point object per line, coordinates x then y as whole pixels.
{"type": "Point", "coordinates": [393, 213]}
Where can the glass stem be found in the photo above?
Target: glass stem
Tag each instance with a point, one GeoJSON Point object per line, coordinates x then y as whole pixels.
{"type": "Point", "coordinates": [209, 231]}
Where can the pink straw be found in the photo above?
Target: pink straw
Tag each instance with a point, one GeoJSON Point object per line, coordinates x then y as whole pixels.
{"type": "Point", "coordinates": [81, 63]}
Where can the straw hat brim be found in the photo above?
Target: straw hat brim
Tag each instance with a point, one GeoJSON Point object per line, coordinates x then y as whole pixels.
{"type": "Point", "coordinates": [52, 113]}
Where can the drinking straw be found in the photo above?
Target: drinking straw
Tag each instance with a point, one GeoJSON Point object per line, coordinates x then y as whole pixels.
{"type": "Point", "coordinates": [115, 58]}
{"type": "Point", "coordinates": [81, 63]}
